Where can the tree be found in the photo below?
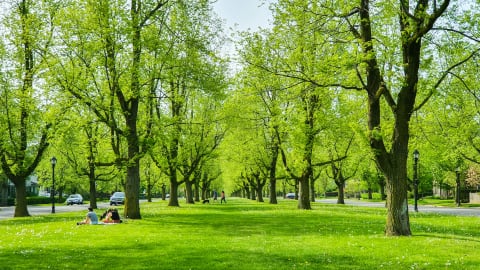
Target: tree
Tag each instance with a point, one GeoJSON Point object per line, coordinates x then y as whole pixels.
{"type": "Point", "coordinates": [82, 146]}
{"type": "Point", "coordinates": [103, 65]}
{"type": "Point", "coordinates": [472, 178]}
{"type": "Point", "coordinates": [416, 21]}
{"type": "Point", "coordinates": [266, 93]}
{"type": "Point", "coordinates": [364, 41]}
{"type": "Point", "coordinates": [338, 168]}
{"type": "Point", "coordinates": [189, 96]}
{"type": "Point", "coordinates": [3, 190]}
{"type": "Point", "coordinates": [296, 55]}
{"type": "Point", "coordinates": [210, 171]}
{"type": "Point", "coordinates": [24, 116]}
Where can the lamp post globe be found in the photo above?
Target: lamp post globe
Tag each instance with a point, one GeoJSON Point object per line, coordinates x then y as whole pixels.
{"type": "Point", "coordinates": [53, 160]}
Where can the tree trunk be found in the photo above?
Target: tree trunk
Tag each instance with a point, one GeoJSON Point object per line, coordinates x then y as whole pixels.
{"type": "Point", "coordinates": [197, 189]}
{"type": "Point", "coordinates": [197, 177]}
{"type": "Point", "coordinates": [273, 191]}
{"type": "Point", "coordinates": [381, 183]}
{"type": "Point", "coordinates": [247, 192]}
{"type": "Point", "coordinates": [132, 189]}
{"type": "Point", "coordinates": [398, 222]}
{"type": "Point", "coordinates": [341, 194]}
{"type": "Point", "coordinates": [303, 194]}
{"type": "Point", "coordinates": [3, 191]}
{"type": "Point", "coordinates": [93, 194]}
{"type": "Point", "coordinates": [173, 192]}
{"type": "Point", "coordinates": [273, 174]}
{"type": "Point", "coordinates": [164, 192]}
{"type": "Point", "coordinates": [21, 199]}
{"type": "Point", "coordinates": [93, 186]}
{"type": "Point", "coordinates": [312, 189]}
{"type": "Point", "coordinates": [149, 190]}
{"type": "Point", "coordinates": [188, 192]}
{"type": "Point", "coordinates": [259, 193]}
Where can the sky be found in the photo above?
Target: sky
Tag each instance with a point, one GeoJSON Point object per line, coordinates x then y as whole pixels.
{"type": "Point", "coordinates": [244, 14]}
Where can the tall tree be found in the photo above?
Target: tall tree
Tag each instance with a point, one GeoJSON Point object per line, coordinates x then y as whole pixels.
{"type": "Point", "coordinates": [104, 66]}
{"type": "Point", "coordinates": [391, 83]}
{"type": "Point", "coordinates": [189, 95]}
{"type": "Point", "coordinates": [415, 22]}
{"type": "Point", "coordinates": [23, 86]}
{"type": "Point", "coordinates": [265, 91]}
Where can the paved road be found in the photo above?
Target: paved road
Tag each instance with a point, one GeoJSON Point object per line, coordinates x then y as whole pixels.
{"type": "Point", "coordinates": [460, 211]}
{"type": "Point", "coordinates": [34, 210]}
{"type": "Point", "coordinates": [7, 212]}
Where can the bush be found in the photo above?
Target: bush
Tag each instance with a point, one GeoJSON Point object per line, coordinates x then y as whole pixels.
{"type": "Point", "coordinates": [375, 196]}
{"type": "Point", "coordinates": [43, 200]}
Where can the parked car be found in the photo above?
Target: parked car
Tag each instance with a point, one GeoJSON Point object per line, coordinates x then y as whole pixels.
{"type": "Point", "coordinates": [117, 198]}
{"type": "Point", "coordinates": [290, 196]}
{"type": "Point", "coordinates": [74, 199]}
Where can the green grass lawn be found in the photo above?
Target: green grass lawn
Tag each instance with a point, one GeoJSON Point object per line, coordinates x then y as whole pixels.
{"type": "Point", "coordinates": [241, 235]}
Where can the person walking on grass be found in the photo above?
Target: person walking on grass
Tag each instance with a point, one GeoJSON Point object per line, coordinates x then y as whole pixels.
{"type": "Point", "coordinates": [223, 197]}
{"type": "Point", "coordinates": [215, 195]}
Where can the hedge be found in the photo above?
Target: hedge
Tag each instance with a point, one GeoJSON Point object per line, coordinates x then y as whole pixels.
{"type": "Point", "coordinates": [43, 200]}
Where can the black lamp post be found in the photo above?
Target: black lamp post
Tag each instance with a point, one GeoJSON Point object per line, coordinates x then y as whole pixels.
{"type": "Point", "coordinates": [53, 161]}
{"type": "Point", "coordinates": [457, 193]}
{"type": "Point", "coordinates": [416, 155]}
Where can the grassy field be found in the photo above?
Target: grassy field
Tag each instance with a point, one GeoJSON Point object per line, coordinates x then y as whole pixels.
{"type": "Point", "coordinates": [241, 235]}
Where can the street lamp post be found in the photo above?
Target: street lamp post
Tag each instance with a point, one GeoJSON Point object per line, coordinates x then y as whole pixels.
{"type": "Point", "coordinates": [54, 162]}
{"type": "Point", "coordinates": [457, 193]}
{"type": "Point", "coordinates": [416, 155]}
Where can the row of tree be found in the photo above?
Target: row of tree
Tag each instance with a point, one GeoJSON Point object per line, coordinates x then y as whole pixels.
{"type": "Point", "coordinates": [108, 84]}
{"type": "Point", "coordinates": [345, 83]}
{"type": "Point", "coordinates": [335, 89]}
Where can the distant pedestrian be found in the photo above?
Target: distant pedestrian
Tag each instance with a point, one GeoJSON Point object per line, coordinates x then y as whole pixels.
{"type": "Point", "coordinates": [215, 195]}
{"type": "Point", "coordinates": [223, 197]}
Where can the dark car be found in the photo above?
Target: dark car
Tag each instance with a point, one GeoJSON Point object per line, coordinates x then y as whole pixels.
{"type": "Point", "coordinates": [74, 199]}
{"type": "Point", "coordinates": [117, 198]}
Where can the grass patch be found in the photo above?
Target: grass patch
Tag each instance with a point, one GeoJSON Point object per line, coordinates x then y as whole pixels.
{"type": "Point", "coordinates": [241, 235]}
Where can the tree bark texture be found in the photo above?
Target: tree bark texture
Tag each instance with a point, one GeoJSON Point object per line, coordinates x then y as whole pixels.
{"type": "Point", "coordinates": [21, 209]}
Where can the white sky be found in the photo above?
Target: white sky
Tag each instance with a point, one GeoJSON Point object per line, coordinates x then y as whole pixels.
{"type": "Point", "coordinates": [244, 14]}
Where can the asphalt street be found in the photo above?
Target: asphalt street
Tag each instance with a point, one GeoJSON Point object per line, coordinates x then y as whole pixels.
{"type": "Point", "coordinates": [456, 211]}
{"type": "Point", "coordinates": [35, 210]}
{"type": "Point", "coordinates": [7, 212]}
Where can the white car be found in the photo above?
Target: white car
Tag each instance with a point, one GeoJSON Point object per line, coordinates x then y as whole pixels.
{"type": "Point", "coordinates": [290, 196]}
{"type": "Point", "coordinates": [74, 199]}
{"type": "Point", "coordinates": [117, 198]}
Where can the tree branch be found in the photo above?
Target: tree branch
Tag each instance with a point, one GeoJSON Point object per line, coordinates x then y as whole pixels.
{"type": "Point", "coordinates": [444, 75]}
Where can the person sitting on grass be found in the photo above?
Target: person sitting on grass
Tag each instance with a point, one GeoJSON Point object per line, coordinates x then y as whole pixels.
{"type": "Point", "coordinates": [111, 216]}
{"type": "Point", "coordinates": [91, 218]}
